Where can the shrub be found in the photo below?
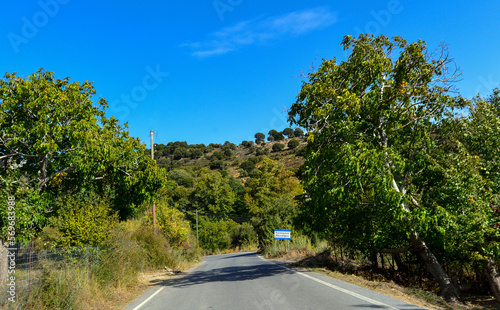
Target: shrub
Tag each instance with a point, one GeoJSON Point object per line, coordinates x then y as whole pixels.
{"type": "Point", "coordinates": [243, 235]}
{"type": "Point", "coordinates": [293, 143]}
{"type": "Point", "coordinates": [171, 224]}
{"type": "Point", "coordinates": [216, 164]}
{"type": "Point", "coordinates": [158, 253]}
{"type": "Point", "coordinates": [247, 165]}
{"type": "Point", "coordinates": [262, 151]}
{"type": "Point", "coordinates": [181, 177]}
{"type": "Point", "coordinates": [83, 220]}
{"type": "Point", "coordinates": [278, 147]}
{"type": "Point", "coordinates": [215, 236]}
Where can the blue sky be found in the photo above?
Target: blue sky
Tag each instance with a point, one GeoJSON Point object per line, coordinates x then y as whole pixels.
{"type": "Point", "coordinates": [209, 71]}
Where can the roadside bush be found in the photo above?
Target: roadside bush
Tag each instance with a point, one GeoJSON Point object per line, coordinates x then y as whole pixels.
{"type": "Point", "coordinates": [243, 235]}
{"type": "Point", "coordinates": [83, 220]}
{"type": "Point", "coordinates": [215, 235]}
{"type": "Point", "coordinates": [158, 252]}
{"type": "Point", "coordinates": [171, 224]}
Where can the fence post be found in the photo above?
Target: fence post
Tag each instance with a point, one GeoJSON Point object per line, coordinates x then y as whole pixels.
{"type": "Point", "coordinates": [3, 263]}
{"type": "Point", "coordinates": [30, 265]}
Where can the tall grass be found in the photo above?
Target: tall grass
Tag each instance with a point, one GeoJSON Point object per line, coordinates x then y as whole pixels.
{"type": "Point", "coordinates": [132, 248]}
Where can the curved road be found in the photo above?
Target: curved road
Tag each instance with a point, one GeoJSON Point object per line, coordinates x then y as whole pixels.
{"type": "Point", "coordinates": [248, 281]}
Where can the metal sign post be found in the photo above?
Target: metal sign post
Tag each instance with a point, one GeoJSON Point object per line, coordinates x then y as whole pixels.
{"type": "Point", "coordinates": [282, 234]}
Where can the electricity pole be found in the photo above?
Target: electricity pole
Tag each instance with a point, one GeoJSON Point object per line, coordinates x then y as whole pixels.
{"type": "Point", "coordinates": [154, 205]}
{"type": "Point", "coordinates": [197, 242]}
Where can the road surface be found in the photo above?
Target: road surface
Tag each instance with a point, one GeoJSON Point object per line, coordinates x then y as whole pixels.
{"type": "Point", "coordinates": [248, 281]}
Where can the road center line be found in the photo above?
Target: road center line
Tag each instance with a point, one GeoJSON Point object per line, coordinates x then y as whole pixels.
{"type": "Point", "coordinates": [144, 302]}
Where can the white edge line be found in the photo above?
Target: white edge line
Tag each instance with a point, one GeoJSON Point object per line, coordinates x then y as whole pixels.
{"type": "Point", "coordinates": [367, 299]}
{"type": "Point", "coordinates": [144, 302]}
{"type": "Point", "coordinates": [343, 290]}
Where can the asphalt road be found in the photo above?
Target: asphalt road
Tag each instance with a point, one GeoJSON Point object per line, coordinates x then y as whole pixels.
{"type": "Point", "coordinates": [248, 281]}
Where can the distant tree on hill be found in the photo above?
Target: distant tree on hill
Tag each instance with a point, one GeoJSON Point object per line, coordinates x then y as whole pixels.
{"type": "Point", "coordinates": [288, 132]}
{"type": "Point", "coordinates": [272, 132]}
{"type": "Point", "coordinates": [262, 151]}
{"type": "Point", "coordinates": [228, 153]}
{"type": "Point", "coordinates": [229, 145]}
{"type": "Point", "coordinates": [216, 164]}
{"type": "Point", "coordinates": [259, 137]}
{"type": "Point", "coordinates": [195, 153]}
{"type": "Point", "coordinates": [278, 147]}
{"type": "Point", "coordinates": [181, 153]}
{"type": "Point", "coordinates": [279, 136]}
{"type": "Point", "coordinates": [247, 165]}
{"type": "Point", "coordinates": [181, 177]}
{"type": "Point", "coordinates": [270, 138]}
{"type": "Point", "coordinates": [293, 143]}
{"type": "Point", "coordinates": [298, 133]}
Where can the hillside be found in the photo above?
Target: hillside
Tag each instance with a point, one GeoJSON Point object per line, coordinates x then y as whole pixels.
{"type": "Point", "coordinates": [229, 157]}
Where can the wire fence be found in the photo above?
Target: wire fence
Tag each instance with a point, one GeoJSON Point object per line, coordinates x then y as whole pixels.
{"type": "Point", "coordinates": [29, 265]}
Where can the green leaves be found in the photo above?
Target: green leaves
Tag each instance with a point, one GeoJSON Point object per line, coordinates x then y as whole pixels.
{"type": "Point", "coordinates": [368, 118]}
{"type": "Point", "coordinates": [60, 133]}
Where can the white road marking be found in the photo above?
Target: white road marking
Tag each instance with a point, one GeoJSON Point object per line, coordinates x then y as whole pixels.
{"type": "Point", "coordinates": [144, 302]}
{"type": "Point", "coordinates": [343, 290]}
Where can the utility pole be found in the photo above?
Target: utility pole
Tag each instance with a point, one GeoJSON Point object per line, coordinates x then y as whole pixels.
{"type": "Point", "coordinates": [154, 204]}
{"type": "Point", "coordinates": [197, 242]}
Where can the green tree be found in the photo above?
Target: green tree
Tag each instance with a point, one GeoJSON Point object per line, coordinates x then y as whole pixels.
{"type": "Point", "coordinates": [480, 134]}
{"type": "Point", "coordinates": [60, 142]}
{"type": "Point", "coordinates": [270, 199]}
{"type": "Point", "coordinates": [83, 220]}
{"type": "Point", "coordinates": [368, 118]}
{"type": "Point", "coordinates": [279, 136]}
{"type": "Point", "coordinates": [272, 135]}
{"type": "Point", "coordinates": [247, 165]}
{"type": "Point", "coordinates": [259, 138]}
{"type": "Point", "coordinates": [181, 177]}
{"type": "Point", "coordinates": [215, 235]}
{"type": "Point", "coordinates": [288, 132]}
{"type": "Point", "coordinates": [298, 133]}
{"type": "Point", "coordinates": [213, 193]}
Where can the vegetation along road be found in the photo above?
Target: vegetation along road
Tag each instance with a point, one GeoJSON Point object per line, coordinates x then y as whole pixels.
{"type": "Point", "coordinates": [248, 281]}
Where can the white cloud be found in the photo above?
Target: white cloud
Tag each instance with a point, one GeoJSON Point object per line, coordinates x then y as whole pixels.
{"type": "Point", "coordinates": [262, 30]}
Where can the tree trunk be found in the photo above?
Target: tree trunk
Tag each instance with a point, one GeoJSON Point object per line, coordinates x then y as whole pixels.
{"type": "Point", "coordinates": [448, 290]}
{"type": "Point", "coordinates": [399, 263]}
{"type": "Point", "coordinates": [491, 272]}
